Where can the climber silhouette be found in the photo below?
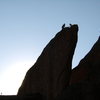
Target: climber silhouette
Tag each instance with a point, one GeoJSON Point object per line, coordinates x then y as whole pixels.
{"type": "Point", "coordinates": [70, 25]}
{"type": "Point", "coordinates": [63, 26]}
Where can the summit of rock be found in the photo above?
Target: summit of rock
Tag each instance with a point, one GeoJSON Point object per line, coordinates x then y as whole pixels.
{"type": "Point", "coordinates": [51, 72]}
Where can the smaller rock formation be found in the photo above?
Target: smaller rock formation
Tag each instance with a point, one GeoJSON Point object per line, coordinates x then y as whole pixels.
{"type": "Point", "coordinates": [51, 72]}
{"type": "Point", "coordinates": [85, 78]}
{"type": "Point", "coordinates": [88, 68]}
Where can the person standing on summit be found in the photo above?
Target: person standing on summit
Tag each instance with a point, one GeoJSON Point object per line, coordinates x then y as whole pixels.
{"type": "Point", "coordinates": [63, 26]}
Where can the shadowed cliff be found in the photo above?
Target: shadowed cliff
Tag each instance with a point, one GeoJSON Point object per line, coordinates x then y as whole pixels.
{"type": "Point", "coordinates": [89, 67]}
{"type": "Point", "coordinates": [52, 76]}
{"type": "Point", "coordinates": [85, 78]}
{"type": "Point", "coordinates": [51, 72]}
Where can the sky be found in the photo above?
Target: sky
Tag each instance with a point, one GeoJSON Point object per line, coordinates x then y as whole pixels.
{"type": "Point", "coordinates": [26, 27]}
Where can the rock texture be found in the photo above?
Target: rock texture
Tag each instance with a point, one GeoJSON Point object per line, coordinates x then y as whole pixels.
{"type": "Point", "coordinates": [85, 78]}
{"type": "Point", "coordinates": [51, 72]}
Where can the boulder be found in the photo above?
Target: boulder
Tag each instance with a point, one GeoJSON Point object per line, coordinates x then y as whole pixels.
{"type": "Point", "coordinates": [51, 72]}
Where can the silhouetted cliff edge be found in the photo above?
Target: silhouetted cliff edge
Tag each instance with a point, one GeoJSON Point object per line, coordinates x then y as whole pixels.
{"type": "Point", "coordinates": [85, 78]}
{"type": "Point", "coordinates": [51, 72]}
{"type": "Point", "coordinates": [52, 77]}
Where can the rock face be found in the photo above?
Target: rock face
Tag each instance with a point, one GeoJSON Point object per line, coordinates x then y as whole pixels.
{"type": "Point", "coordinates": [85, 78]}
{"type": "Point", "coordinates": [89, 67]}
{"type": "Point", "coordinates": [51, 72]}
